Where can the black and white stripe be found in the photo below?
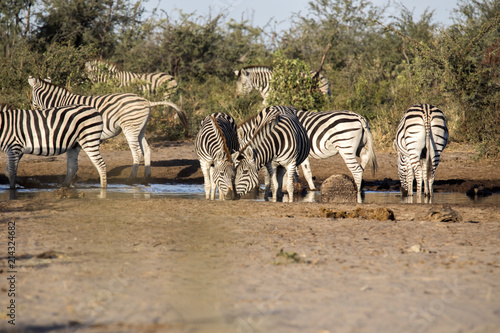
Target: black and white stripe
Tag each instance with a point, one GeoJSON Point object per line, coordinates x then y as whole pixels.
{"type": "Point", "coordinates": [120, 112]}
{"type": "Point", "coordinates": [215, 142]}
{"type": "Point", "coordinates": [101, 71]}
{"type": "Point", "coordinates": [339, 132]}
{"type": "Point", "coordinates": [421, 137]}
{"type": "Point", "coordinates": [259, 78]}
{"type": "Point", "coordinates": [274, 138]}
{"type": "Point", "coordinates": [50, 132]}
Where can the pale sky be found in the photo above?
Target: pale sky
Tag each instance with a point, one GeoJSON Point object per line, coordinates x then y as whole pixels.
{"type": "Point", "coordinates": [278, 12]}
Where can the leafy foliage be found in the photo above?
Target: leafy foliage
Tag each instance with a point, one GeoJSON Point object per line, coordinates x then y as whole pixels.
{"type": "Point", "coordinates": [292, 84]}
{"type": "Point", "coordinates": [376, 69]}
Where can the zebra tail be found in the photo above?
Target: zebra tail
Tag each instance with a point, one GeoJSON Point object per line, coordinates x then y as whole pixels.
{"type": "Point", "coordinates": [429, 149]}
{"type": "Point", "coordinates": [371, 148]}
{"type": "Point", "coordinates": [180, 113]}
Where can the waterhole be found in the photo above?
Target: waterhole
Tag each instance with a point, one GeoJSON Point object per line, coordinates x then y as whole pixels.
{"type": "Point", "coordinates": [197, 192]}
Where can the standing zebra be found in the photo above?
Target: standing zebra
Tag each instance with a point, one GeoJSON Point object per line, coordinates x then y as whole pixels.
{"type": "Point", "coordinates": [101, 71]}
{"type": "Point", "coordinates": [215, 142]}
{"type": "Point", "coordinates": [50, 132]}
{"type": "Point", "coordinates": [120, 112]}
{"type": "Point", "coordinates": [339, 132]}
{"type": "Point", "coordinates": [259, 78]}
{"type": "Point", "coordinates": [276, 139]}
{"type": "Point", "coordinates": [421, 137]}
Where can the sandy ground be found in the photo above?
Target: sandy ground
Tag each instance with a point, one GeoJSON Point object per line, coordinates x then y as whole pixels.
{"type": "Point", "coordinates": [187, 265]}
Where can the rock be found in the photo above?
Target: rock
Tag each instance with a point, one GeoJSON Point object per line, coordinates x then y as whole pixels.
{"type": "Point", "coordinates": [478, 191]}
{"type": "Point", "coordinates": [338, 188]}
{"type": "Point", "coordinates": [380, 214]}
{"type": "Point", "coordinates": [443, 214]}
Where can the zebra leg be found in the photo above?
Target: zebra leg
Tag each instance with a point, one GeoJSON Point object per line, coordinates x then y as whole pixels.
{"type": "Point", "coordinates": [306, 168]}
{"type": "Point", "coordinates": [72, 165]}
{"type": "Point", "coordinates": [290, 170]}
{"type": "Point", "coordinates": [135, 148]}
{"type": "Point", "coordinates": [147, 157]}
{"type": "Point", "coordinates": [409, 177]}
{"type": "Point", "coordinates": [212, 183]}
{"type": "Point", "coordinates": [273, 172]}
{"type": "Point", "coordinates": [11, 167]}
{"type": "Point", "coordinates": [205, 169]}
{"type": "Point", "coordinates": [356, 171]}
{"type": "Point", "coordinates": [267, 181]}
{"type": "Point", "coordinates": [97, 160]}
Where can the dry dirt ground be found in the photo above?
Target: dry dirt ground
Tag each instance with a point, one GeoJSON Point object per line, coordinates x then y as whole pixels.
{"type": "Point", "coordinates": [188, 265]}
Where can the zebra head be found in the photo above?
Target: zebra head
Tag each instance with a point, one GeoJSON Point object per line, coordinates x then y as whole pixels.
{"type": "Point", "coordinates": [37, 84]}
{"type": "Point", "coordinates": [244, 83]}
{"type": "Point", "coordinates": [223, 175]}
{"type": "Point", "coordinates": [247, 171]}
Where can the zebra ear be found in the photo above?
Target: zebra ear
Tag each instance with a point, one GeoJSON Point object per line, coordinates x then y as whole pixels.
{"type": "Point", "coordinates": [248, 153]}
{"type": "Point", "coordinates": [237, 73]}
{"type": "Point", "coordinates": [241, 133]}
{"type": "Point", "coordinates": [234, 156]}
{"type": "Point", "coordinates": [32, 81]}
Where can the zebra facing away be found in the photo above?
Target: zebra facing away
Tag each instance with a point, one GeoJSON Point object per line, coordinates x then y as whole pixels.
{"type": "Point", "coordinates": [120, 112]}
{"type": "Point", "coordinates": [101, 71]}
{"type": "Point", "coordinates": [50, 132]}
{"type": "Point", "coordinates": [421, 137]}
{"type": "Point", "coordinates": [259, 78]}
{"type": "Point", "coordinates": [275, 139]}
{"type": "Point", "coordinates": [339, 132]}
{"type": "Point", "coordinates": [216, 141]}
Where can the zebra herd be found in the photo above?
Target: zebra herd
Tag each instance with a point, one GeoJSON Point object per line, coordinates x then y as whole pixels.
{"type": "Point", "coordinates": [63, 122]}
{"type": "Point", "coordinates": [277, 140]}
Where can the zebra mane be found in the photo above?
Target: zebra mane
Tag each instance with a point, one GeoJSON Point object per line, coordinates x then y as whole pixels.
{"type": "Point", "coordinates": [274, 118]}
{"type": "Point", "coordinates": [256, 67]}
{"type": "Point", "coordinates": [217, 127]}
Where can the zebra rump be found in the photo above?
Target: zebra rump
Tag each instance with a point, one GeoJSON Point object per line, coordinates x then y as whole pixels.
{"type": "Point", "coordinates": [275, 139]}
{"type": "Point", "coordinates": [50, 132]}
{"type": "Point", "coordinates": [421, 137]}
{"type": "Point", "coordinates": [214, 144]}
{"type": "Point", "coordinates": [102, 71]}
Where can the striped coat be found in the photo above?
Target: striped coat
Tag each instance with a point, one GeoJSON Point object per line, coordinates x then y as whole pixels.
{"type": "Point", "coordinates": [259, 78]}
{"type": "Point", "coordinates": [50, 132]}
{"type": "Point", "coordinates": [215, 143]}
{"type": "Point", "coordinates": [421, 137]}
{"type": "Point", "coordinates": [339, 132]}
{"type": "Point", "coordinates": [275, 139]}
{"type": "Point", "coordinates": [120, 112]}
{"type": "Point", "coordinates": [101, 71]}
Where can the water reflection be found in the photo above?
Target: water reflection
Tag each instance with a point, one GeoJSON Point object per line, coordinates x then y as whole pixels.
{"type": "Point", "coordinates": [188, 191]}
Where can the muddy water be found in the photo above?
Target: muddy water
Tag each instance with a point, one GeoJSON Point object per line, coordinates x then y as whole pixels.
{"type": "Point", "coordinates": [196, 192]}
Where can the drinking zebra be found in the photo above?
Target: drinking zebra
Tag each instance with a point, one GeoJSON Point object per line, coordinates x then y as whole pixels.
{"type": "Point", "coordinates": [101, 71]}
{"type": "Point", "coordinates": [215, 142]}
{"type": "Point", "coordinates": [339, 132]}
{"type": "Point", "coordinates": [275, 139]}
{"type": "Point", "coordinates": [421, 137]}
{"type": "Point", "coordinates": [50, 132]}
{"type": "Point", "coordinates": [259, 78]}
{"type": "Point", "coordinates": [120, 112]}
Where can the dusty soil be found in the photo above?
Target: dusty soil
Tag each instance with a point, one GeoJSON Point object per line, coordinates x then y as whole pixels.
{"type": "Point", "coordinates": [187, 265]}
